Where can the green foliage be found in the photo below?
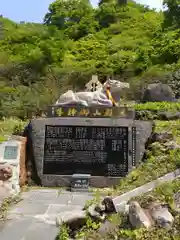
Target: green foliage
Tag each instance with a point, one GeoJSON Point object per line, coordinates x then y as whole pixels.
{"type": "Point", "coordinates": [161, 106]}
{"type": "Point", "coordinates": [38, 62]}
{"type": "Point", "coordinates": [172, 19]}
{"type": "Point", "coordinates": [6, 204]}
{"type": "Point", "coordinates": [64, 233]}
{"type": "Point", "coordinates": [75, 17]}
{"type": "Point", "coordinates": [10, 126]}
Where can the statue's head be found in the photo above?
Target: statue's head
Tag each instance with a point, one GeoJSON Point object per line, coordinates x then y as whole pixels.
{"type": "Point", "coordinates": [115, 85]}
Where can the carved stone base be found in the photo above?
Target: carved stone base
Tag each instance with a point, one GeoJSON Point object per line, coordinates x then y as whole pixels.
{"type": "Point", "coordinates": [65, 181]}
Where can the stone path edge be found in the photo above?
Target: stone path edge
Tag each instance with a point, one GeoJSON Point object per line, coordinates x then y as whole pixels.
{"type": "Point", "coordinates": [121, 201]}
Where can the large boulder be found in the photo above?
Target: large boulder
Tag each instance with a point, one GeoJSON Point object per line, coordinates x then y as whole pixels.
{"type": "Point", "coordinates": [161, 215]}
{"type": "Point", "coordinates": [158, 92]}
{"type": "Point", "coordinates": [138, 217]}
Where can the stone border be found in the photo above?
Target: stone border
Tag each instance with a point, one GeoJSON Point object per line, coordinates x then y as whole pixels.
{"type": "Point", "coordinates": [121, 201]}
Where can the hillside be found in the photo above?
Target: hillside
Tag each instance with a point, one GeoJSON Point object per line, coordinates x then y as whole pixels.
{"type": "Point", "coordinates": [40, 61]}
{"type": "Point", "coordinates": [129, 42]}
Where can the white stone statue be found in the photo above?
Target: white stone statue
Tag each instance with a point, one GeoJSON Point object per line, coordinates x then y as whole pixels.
{"type": "Point", "coordinates": [107, 95]}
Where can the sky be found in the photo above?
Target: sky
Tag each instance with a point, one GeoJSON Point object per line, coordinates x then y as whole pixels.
{"type": "Point", "coordinates": [34, 10]}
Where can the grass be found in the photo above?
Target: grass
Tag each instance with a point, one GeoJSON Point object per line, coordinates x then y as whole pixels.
{"type": "Point", "coordinates": [6, 204]}
{"type": "Point", "coordinates": [161, 106]}
{"type": "Point", "coordinates": [8, 126]}
{"type": "Point", "coordinates": [164, 193]}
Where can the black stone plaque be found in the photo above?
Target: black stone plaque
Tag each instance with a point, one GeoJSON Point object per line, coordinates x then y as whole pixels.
{"type": "Point", "coordinates": [95, 150]}
{"type": "Point", "coordinates": [80, 182]}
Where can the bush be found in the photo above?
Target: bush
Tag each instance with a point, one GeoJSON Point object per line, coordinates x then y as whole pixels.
{"type": "Point", "coordinates": [9, 126]}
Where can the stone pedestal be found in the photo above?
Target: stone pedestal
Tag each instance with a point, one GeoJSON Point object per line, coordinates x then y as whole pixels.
{"type": "Point", "coordinates": [47, 156]}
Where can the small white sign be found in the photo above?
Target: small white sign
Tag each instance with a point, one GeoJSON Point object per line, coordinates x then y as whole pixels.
{"type": "Point", "coordinates": [10, 152]}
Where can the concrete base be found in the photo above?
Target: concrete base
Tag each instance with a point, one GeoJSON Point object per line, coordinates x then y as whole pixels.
{"type": "Point", "coordinates": [65, 181]}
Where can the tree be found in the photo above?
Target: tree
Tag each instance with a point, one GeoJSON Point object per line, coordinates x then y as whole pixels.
{"type": "Point", "coordinates": [38, 62]}
{"type": "Point", "coordinates": [171, 14]}
{"type": "Point", "coordinates": [76, 17]}
{"type": "Point", "coordinates": [119, 2]}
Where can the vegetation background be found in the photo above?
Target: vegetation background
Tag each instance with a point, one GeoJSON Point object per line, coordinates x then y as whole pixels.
{"type": "Point", "coordinates": [127, 41]}
{"type": "Point", "coordinates": [124, 40]}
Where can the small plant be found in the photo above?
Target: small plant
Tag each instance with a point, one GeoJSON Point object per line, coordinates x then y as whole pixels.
{"type": "Point", "coordinates": [158, 106]}
{"type": "Point", "coordinates": [64, 233]}
{"type": "Point", "coordinates": [6, 204]}
{"type": "Point", "coordinates": [9, 126]}
{"type": "Point", "coordinates": [90, 224]}
{"type": "Point", "coordinates": [18, 129]}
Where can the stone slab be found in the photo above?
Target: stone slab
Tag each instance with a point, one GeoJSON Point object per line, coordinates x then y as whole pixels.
{"type": "Point", "coordinates": [28, 229]}
{"type": "Point", "coordinates": [32, 217]}
{"type": "Point", "coordinates": [28, 209]}
{"type": "Point", "coordinates": [58, 208]}
{"type": "Point", "coordinates": [41, 195]}
{"type": "Point", "coordinates": [81, 199]}
{"type": "Point", "coordinates": [143, 130]}
{"type": "Point", "coordinates": [15, 229]}
{"type": "Point", "coordinates": [39, 230]}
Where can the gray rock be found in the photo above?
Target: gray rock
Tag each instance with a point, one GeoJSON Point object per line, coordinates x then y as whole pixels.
{"type": "Point", "coordinates": [169, 115]}
{"type": "Point", "coordinates": [92, 212]}
{"type": "Point", "coordinates": [107, 227]}
{"type": "Point", "coordinates": [161, 215]}
{"type": "Point", "coordinates": [100, 208]}
{"type": "Point", "coordinates": [95, 214]}
{"type": "Point", "coordinates": [74, 219]}
{"type": "Point", "coordinates": [109, 205]}
{"type": "Point", "coordinates": [138, 217]}
{"type": "Point", "coordinates": [158, 92]}
{"type": "Point", "coordinates": [162, 137]}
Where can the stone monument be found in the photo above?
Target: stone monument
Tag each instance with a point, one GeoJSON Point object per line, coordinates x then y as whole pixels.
{"type": "Point", "coordinates": [85, 136]}
{"type": "Point", "coordinates": [10, 154]}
